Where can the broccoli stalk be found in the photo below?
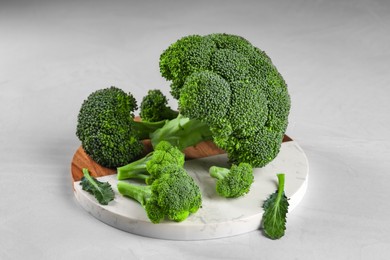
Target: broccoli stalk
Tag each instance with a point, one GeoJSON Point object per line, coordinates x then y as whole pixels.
{"type": "Point", "coordinates": [233, 182]}
{"type": "Point", "coordinates": [150, 167]}
{"type": "Point", "coordinates": [182, 132]}
{"type": "Point", "coordinates": [135, 169]}
{"type": "Point", "coordinates": [140, 193]}
{"type": "Point", "coordinates": [174, 195]}
{"type": "Point", "coordinates": [143, 195]}
{"type": "Point", "coordinates": [145, 128]}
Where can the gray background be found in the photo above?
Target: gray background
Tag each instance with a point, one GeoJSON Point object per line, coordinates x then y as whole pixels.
{"type": "Point", "coordinates": [334, 55]}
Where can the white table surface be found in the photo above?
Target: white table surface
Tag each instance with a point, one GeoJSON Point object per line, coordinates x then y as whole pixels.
{"type": "Point", "coordinates": [334, 55]}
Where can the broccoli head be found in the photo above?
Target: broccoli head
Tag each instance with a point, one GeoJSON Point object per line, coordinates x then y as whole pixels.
{"type": "Point", "coordinates": [150, 167]}
{"type": "Point", "coordinates": [232, 88]}
{"type": "Point", "coordinates": [174, 195]}
{"type": "Point", "coordinates": [107, 130]}
{"type": "Point", "coordinates": [233, 182]}
{"type": "Point", "coordinates": [154, 107]}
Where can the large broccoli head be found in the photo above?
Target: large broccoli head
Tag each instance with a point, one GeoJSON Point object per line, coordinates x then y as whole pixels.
{"type": "Point", "coordinates": [233, 87]}
{"type": "Point", "coordinates": [106, 128]}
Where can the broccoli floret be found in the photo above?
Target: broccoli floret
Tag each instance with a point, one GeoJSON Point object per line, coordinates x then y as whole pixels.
{"type": "Point", "coordinates": [174, 195]}
{"type": "Point", "coordinates": [206, 97]}
{"type": "Point", "coordinates": [233, 182]}
{"type": "Point", "coordinates": [154, 107]}
{"type": "Point", "coordinates": [149, 168]}
{"type": "Point", "coordinates": [107, 130]}
{"type": "Point", "coordinates": [184, 57]}
{"type": "Point", "coordinates": [232, 88]}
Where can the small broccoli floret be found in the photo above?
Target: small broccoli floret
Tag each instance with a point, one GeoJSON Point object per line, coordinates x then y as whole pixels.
{"type": "Point", "coordinates": [154, 107]}
{"type": "Point", "coordinates": [107, 130]}
{"type": "Point", "coordinates": [174, 195]}
{"type": "Point", "coordinates": [233, 182]}
{"type": "Point", "coordinates": [149, 168]}
{"type": "Point", "coordinates": [232, 88]}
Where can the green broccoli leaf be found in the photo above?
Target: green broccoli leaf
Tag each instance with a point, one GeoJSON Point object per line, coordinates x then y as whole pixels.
{"type": "Point", "coordinates": [102, 191]}
{"type": "Point", "coordinates": [275, 211]}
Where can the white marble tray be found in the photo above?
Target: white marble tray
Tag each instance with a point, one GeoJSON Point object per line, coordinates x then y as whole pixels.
{"type": "Point", "coordinates": [218, 217]}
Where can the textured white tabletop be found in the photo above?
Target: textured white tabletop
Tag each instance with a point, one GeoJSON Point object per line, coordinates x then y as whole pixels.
{"type": "Point", "coordinates": [334, 56]}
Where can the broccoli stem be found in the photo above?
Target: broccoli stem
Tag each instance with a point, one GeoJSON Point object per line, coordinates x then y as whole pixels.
{"type": "Point", "coordinates": [182, 132]}
{"type": "Point", "coordinates": [140, 193]}
{"type": "Point", "coordinates": [170, 113]}
{"type": "Point", "coordinates": [90, 179]}
{"type": "Point", "coordinates": [280, 187]}
{"type": "Point", "coordinates": [145, 128]}
{"type": "Point", "coordinates": [218, 172]}
{"type": "Point", "coordinates": [135, 169]}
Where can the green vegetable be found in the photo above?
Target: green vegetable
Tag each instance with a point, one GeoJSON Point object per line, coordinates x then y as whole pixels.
{"type": "Point", "coordinates": [275, 212]}
{"type": "Point", "coordinates": [182, 132]}
{"type": "Point", "coordinates": [174, 195]}
{"type": "Point", "coordinates": [233, 182]}
{"type": "Point", "coordinates": [101, 190]}
{"type": "Point", "coordinates": [154, 107]}
{"type": "Point", "coordinates": [150, 167]}
{"type": "Point", "coordinates": [107, 130]}
{"type": "Point", "coordinates": [228, 91]}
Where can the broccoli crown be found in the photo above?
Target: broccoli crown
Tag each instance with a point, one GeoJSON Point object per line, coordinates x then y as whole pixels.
{"type": "Point", "coordinates": [233, 87]}
{"type": "Point", "coordinates": [105, 127]}
{"type": "Point", "coordinates": [205, 91]}
{"type": "Point", "coordinates": [174, 195]}
{"type": "Point", "coordinates": [233, 182]}
{"type": "Point", "coordinates": [154, 107]}
{"type": "Point", "coordinates": [163, 155]}
{"type": "Point", "coordinates": [177, 193]}
{"type": "Point", "coordinates": [150, 167]}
